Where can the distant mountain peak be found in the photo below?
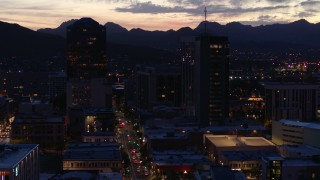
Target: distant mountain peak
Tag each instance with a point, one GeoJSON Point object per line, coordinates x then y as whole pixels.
{"type": "Point", "coordinates": [234, 24]}
{"type": "Point", "coordinates": [112, 27]}
{"type": "Point", "coordinates": [301, 21]}
{"type": "Point", "coordinates": [67, 23]}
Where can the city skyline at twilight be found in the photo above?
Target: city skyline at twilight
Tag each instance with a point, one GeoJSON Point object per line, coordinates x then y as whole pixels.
{"type": "Point", "coordinates": [157, 15]}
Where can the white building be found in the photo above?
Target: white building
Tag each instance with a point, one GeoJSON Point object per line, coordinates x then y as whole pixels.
{"type": "Point", "coordinates": [286, 132]}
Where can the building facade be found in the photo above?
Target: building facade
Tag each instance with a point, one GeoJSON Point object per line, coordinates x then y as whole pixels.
{"type": "Point", "coordinates": [48, 132]}
{"type": "Point", "coordinates": [289, 132]}
{"type": "Point", "coordinates": [211, 79]}
{"type": "Point", "coordinates": [99, 157]}
{"type": "Point", "coordinates": [99, 137]}
{"type": "Point", "coordinates": [291, 101]}
{"type": "Point", "coordinates": [86, 49]}
{"type": "Point", "coordinates": [19, 161]}
{"type": "Point", "coordinates": [42, 84]}
{"type": "Point", "coordinates": [95, 92]}
{"type": "Point", "coordinates": [158, 85]}
{"type": "Point", "coordinates": [187, 75]}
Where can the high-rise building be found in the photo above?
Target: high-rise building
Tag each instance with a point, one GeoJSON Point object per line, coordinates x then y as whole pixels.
{"type": "Point", "coordinates": [89, 93]}
{"type": "Point", "coordinates": [48, 132]}
{"type": "Point", "coordinates": [86, 49]}
{"type": "Point", "coordinates": [293, 101]}
{"type": "Point", "coordinates": [211, 79]}
{"type": "Point", "coordinates": [158, 85]}
{"type": "Point", "coordinates": [187, 75]}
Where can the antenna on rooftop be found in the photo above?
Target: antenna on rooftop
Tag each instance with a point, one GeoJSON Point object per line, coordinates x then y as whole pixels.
{"type": "Point", "coordinates": [205, 20]}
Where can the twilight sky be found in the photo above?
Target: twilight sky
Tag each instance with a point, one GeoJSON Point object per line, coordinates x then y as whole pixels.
{"type": "Point", "coordinates": [157, 14]}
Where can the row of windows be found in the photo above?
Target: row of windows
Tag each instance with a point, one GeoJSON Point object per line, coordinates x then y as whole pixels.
{"type": "Point", "coordinates": [294, 131]}
{"type": "Point", "coordinates": [238, 166]}
{"type": "Point", "coordinates": [297, 137]}
{"type": "Point", "coordinates": [100, 139]}
{"type": "Point", "coordinates": [291, 141]}
{"type": "Point", "coordinates": [91, 164]}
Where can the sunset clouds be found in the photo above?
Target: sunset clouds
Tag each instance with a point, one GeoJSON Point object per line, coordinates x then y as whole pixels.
{"type": "Point", "coordinates": [157, 14]}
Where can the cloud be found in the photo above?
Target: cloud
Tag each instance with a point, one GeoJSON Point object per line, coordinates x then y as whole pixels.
{"type": "Point", "coordinates": [266, 18]}
{"type": "Point", "coordinates": [237, 2]}
{"type": "Point", "coordinates": [259, 23]}
{"type": "Point", "coordinates": [189, 2]}
{"type": "Point", "coordinates": [305, 14]}
{"type": "Point", "coordinates": [278, 1]}
{"type": "Point", "coordinates": [310, 3]}
{"type": "Point", "coordinates": [311, 6]}
{"type": "Point", "coordinates": [149, 7]}
{"type": "Point", "coordinates": [107, 1]}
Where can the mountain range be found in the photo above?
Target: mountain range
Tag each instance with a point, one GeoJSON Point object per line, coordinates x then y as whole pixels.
{"type": "Point", "coordinates": [18, 40]}
{"type": "Point", "coordinates": [300, 33]}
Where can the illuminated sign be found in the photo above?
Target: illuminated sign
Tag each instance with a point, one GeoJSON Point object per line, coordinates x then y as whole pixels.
{"type": "Point", "coordinates": [16, 171]}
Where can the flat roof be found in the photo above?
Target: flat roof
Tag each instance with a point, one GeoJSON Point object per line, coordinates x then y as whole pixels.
{"type": "Point", "coordinates": [231, 141]}
{"type": "Point", "coordinates": [99, 134]}
{"type": "Point", "coordinates": [301, 124]}
{"type": "Point", "coordinates": [75, 175]}
{"type": "Point", "coordinates": [101, 153]}
{"type": "Point", "coordinates": [113, 145]}
{"type": "Point", "coordinates": [32, 119]}
{"type": "Point", "coordinates": [232, 128]}
{"type": "Point", "coordinates": [179, 159]}
{"type": "Point", "coordinates": [13, 154]}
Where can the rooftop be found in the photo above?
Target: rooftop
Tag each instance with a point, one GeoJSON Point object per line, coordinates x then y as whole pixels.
{"type": "Point", "coordinates": [35, 118]}
{"type": "Point", "coordinates": [301, 124]}
{"type": "Point", "coordinates": [231, 141]}
{"type": "Point", "coordinates": [232, 128]}
{"type": "Point", "coordinates": [80, 175]}
{"type": "Point", "coordinates": [99, 153]}
{"type": "Point", "coordinates": [99, 134]}
{"type": "Point", "coordinates": [13, 154]}
{"type": "Point", "coordinates": [173, 158]}
{"type": "Point", "coordinates": [112, 145]}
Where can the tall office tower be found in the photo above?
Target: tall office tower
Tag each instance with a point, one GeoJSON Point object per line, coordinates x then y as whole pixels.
{"type": "Point", "coordinates": [86, 49]}
{"type": "Point", "coordinates": [211, 79]}
{"type": "Point", "coordinates": [293, 101]}
{"type": "Point", "coordinates": [95, 92]}
{"type": "Point", "coordinates": [158, 85]}
{"type": "Point", "coordinates": [187, 75]}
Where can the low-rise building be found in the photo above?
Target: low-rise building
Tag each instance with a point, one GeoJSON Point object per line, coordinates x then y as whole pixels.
{"type": "Point", "coordinates": [19, 161]}
{"type": "Point", "coordinates": [90, 119]}
{"type": "Point", "coordinates": [99, 157]}
{"type": "Point", "coordinates": [182, 162]}
{"type": "Point", "coordinates": [239, 153]}
{"type": "Point", "coordinates": [48, 132]}
{"type": "Point", "coordinates": [216, 144]}
{"type": "Point", "coordinates": [286, 132]}
{"type": "Point", "coordinates": [99, 137]}
{"type": "Point", "coordinates": [290, 168]}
